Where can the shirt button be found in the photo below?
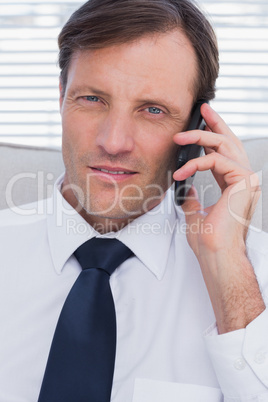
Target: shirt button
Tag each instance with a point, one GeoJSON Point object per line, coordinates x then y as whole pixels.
{"type": "Point", "coordinates": [240, 364]}
{"type": "Point", "coordinates": [260, 358]}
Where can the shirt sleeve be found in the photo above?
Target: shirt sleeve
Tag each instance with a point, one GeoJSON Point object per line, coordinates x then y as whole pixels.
{"type": "Point", "coordinates": [240, 361]}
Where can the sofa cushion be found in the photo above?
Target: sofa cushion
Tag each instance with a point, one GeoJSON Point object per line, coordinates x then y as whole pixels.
{"type": "Point", "coordinates": [27, 173]}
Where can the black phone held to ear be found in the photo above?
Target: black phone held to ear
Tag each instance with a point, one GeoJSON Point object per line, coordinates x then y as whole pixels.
{"type": "Point", "coordinates": [188, 152]}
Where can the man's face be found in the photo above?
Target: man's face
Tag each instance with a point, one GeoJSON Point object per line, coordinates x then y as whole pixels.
{"type": "Point", "coordinates": [121, 108]}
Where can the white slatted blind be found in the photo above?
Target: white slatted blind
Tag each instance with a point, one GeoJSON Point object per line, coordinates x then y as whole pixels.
{"type": "Point", "coordinates": [29, 73]}
{"type": "Point", "coordinates": [242, 95]}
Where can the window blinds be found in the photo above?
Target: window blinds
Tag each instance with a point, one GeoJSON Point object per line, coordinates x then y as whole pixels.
{"type": "Point", "coordinates": [29, 72]}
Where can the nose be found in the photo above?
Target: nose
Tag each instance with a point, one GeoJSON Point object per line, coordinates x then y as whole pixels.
{"type": "Point", "coordinates": [116, 134]}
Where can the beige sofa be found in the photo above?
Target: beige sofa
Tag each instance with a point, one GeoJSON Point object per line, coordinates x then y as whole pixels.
{"type": "Point", "coordinates": [28, 173]}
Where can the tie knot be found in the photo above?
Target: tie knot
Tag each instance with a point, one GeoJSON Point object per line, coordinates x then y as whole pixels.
{"type": "Point", "coordinates": [107, 254]}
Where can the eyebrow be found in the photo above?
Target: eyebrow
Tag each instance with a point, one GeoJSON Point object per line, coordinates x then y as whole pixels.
{"type": "Point", "coordinates": [86, 89]}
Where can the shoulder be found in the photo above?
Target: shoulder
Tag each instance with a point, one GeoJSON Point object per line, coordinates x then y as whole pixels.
{"type": "Point", "coordinates": [22, 222]}
{"type": "Point", "coordinates": [23, 234]}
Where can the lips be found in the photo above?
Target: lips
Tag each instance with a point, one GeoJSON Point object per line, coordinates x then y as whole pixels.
{"type": "Point", "coordinates": [112, 170]}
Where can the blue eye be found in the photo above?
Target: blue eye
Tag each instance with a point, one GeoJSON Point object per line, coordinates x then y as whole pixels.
{"type": "Point", "coordinates": [92, 98]}
{"type": "Point", "coordinates": [154, 110]}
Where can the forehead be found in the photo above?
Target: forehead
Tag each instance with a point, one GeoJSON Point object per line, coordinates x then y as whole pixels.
{"type": "Point", "coordinates": [162, 61]}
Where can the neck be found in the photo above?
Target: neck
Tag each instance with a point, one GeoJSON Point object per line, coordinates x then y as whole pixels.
{"type": "Point", "coordinates": [106, 224]}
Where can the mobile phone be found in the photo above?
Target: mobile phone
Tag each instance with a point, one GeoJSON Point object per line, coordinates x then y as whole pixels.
{"type": "Point", "coordinates": [188, 152]}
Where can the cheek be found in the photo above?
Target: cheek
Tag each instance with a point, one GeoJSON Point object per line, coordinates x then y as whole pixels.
{"type": "Point", "coordinates": [163, 157]}
{"type": "Point", "coordinates": [158, 147]}
{"type": "Point", "coordinates": [72, 142]}
{"type": "Point", "coordinates": [172, 156]}
{"type": "Point", "coordinates": [77, 133]}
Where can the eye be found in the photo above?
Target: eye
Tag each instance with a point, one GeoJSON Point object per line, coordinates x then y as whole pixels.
{"type": "Point", "coordinates": [92, 98]}
{"type": "Point", "coordinates": [154, 110]}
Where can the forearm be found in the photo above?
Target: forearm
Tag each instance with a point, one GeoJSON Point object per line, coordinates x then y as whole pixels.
{"type": "Point", "coordinates": [228, 273]}
{"type": "Point", "coordinates": [233, 288]}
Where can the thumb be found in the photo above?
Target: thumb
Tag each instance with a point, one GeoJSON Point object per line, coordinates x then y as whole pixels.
{"type": "Point", "coordinates": [191, 203]}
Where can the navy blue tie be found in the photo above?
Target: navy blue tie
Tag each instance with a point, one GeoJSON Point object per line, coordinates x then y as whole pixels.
{"type": "Point", "coordinates": [80, 365]}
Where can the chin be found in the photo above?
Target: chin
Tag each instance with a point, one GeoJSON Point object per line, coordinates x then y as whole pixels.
{"type": "Point", "coordinates": [108, 213]}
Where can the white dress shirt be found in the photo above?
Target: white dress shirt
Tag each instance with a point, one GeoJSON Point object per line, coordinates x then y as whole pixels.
{"type": "Point", "coordinates": [168, 348]}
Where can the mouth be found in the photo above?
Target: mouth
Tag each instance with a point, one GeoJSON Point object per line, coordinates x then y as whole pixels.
{"type": "Point", "coordinates": [112, 173]}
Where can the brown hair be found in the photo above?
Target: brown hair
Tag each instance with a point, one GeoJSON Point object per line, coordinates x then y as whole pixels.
{"type": "Point", "coordinates": [102, 23]}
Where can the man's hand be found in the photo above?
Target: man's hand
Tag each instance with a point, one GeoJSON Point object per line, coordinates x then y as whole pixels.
{"type": "Point", "coordinates": [221, 251]}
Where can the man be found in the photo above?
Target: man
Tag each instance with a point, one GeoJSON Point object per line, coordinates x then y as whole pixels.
{"type": "Point", "coordinates": [191, 318]}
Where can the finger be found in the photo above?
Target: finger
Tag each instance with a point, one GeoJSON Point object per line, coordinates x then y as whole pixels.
{"type": "Point", "coordinates": [214, 142]}
{"type": "Point", "coordinates": [206, 139]}
{"type": "Point", "coordinates": [209, 150]}
{"type": "Point", "coordinates": [191, 203]}
{"type": "Point", "coordinates": [207, 129]}
{"type": "Point", "coordinates": [218, 164]}
{"type": "Point", "coordinates": [216, 124]}
{"type": "Point", "coordinates": [193, 210]}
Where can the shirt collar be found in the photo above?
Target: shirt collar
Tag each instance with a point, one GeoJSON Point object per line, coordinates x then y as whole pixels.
{"type": "Point", "coordinates": [149, 236]}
